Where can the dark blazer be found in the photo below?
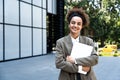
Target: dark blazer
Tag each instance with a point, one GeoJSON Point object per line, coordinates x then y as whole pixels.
{"type": "Point", "coordinates": [68, 70]}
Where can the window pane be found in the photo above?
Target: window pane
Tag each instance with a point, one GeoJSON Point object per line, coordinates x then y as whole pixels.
{"type": "Point", "coordinates": [37, 42]}
{"type": "Point", "coordinates": [44, 3]}
{"type": "Point", "coordinates": [37, 19]}
{"type": "Point", "coordinates": [25, 42]}
{"type": "Point", "coordinates": [54, 6]}
{"type": "Point", "coordinates": [45, 41]}
{"type": "Point", "coordinates": [1, 42]}
{"type": "Point", "coordinates": [44, 18]}
{"type": "Point", "coordinates": [25, 14]}
{"type": "Point", "coordinates": [11, 11]}
{"type": "Point", "coordinates": [1, 11]}
{"type": "Point", "coordinates": [49, 7]}
{"type": "Point", "coordinates": [37, 2]}
{"type": "Point", "coordinates": [11, 42]}
{"type": "Point", "coordinates": [29, 1]}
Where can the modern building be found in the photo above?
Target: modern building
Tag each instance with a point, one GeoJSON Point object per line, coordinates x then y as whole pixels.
{"type": "Point", "coordinates": [29, 27]}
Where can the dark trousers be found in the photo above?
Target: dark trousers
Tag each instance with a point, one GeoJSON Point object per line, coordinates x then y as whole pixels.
{"type": "Point", "coordinates": [78, 76]}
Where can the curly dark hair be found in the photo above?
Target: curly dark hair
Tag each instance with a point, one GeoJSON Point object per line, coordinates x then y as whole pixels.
{"type": "Point", "coordinates": [81, 12]}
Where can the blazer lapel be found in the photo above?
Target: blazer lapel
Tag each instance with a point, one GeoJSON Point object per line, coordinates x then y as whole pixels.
{"type": "Point", "coordinates": [69, 44]}
{"type": "Point", "coordinates": [81, 40]}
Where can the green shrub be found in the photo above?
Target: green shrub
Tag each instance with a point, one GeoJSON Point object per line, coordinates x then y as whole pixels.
{"type": "Point", "coordinates": [115, 55]}
{"type": "Point", "coordinates": [100, 55]}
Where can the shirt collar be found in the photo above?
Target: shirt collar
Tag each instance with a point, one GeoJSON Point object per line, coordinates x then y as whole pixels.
{"type": "Point", "coordinates": [75, 40]}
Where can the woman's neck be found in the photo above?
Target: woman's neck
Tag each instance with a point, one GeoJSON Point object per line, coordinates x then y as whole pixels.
{"type": "Point", "coordinates": [74, 35]}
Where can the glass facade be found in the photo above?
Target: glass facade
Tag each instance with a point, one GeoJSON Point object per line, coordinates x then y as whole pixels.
{"type": "Point", "coordinates": [1, 11]}
{"type": "Point", "coordinates": [11, 11]}
{"type": "Point", "coordinates": [23, 29]}
{"type": "Point", "coordinates": [25, 16]}
{"type": "Point", "coordinates": [37, 17]}
{"type": "Point", "coordinates": [38, 3]}
{"type": "Point", "coordinates": [37, 39]}
{"type": "Point", "coordinates": [1, 42]}
{"type": "Point", "coordinates": [52, 5]}
{"type": "Point", "coordinates": [11, 41]}
{"type": "Point", "coordinates": [26, 42]}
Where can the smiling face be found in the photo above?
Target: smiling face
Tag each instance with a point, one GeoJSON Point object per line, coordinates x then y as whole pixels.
{"type": "Point", "coordinates": [75, 26]}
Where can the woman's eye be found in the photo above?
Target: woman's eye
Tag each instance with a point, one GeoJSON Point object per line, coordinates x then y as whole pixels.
{"type": "Point", "coordinates": [73, 22]}
{"type": "Point", "coordinates": [79, 24]}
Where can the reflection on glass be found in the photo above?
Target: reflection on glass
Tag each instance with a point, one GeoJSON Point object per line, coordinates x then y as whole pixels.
{"type": "Point", "coordinates": [25, 14]}
{"type": "Point", "coordinates": [11, 42]}
{"type": "Point", "coordinates": [44, 18]}
{"type": "Point", "coordinates": [26, 42]}
{"type": "Point", "coordinates": [37, 2]}
{"type": "Point", "coordinates": [37, 42]}
{"type": "Point", "coordinates": [1, 42]}
{"type": "Point", "coordinates": [44, 3]}
{"type": "Point", "coordinates": [1, 10]}
{"type": "Point", "coordinates": [37, 18]}
{"type": "Point", "coordinates": [11, 11]}
{"type": "Point", "coordinates": [44, 40]}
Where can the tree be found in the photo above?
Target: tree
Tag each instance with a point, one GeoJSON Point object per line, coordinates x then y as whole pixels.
{"type": "Point", "coordinates": [104, 16]}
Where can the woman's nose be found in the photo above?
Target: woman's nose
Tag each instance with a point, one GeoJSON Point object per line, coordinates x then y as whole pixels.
{"type": "Point", "coordinates": [75, 25]}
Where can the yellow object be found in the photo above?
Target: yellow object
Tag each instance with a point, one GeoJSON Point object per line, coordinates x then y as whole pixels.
{"type": "Point", "coordinates": [108, 48]}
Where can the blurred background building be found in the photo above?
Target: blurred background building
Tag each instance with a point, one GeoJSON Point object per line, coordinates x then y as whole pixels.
{"type": "Point", "coordinates": [29, 27]}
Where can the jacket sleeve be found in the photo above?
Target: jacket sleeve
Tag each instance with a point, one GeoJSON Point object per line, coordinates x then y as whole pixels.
{"type": "Point", "coordinates": [61, 62]}
{"type": "Point", "coordinates": [90, 60]}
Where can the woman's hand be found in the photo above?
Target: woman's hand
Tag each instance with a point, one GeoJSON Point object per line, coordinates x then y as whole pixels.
{"type": "Point", "coordinates": [70, 59]}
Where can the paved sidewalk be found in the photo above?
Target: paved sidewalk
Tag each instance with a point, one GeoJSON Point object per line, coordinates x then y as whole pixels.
{"type": "Point", "coordinates": [108, 68]}
{"type": "Point", "coordinates": [43, 68]}
{"type": "Point", "coordinates": [36, 68]}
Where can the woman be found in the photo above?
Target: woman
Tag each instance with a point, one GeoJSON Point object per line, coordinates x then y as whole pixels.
{"type": "Point", "coordinates": [70, 67]}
